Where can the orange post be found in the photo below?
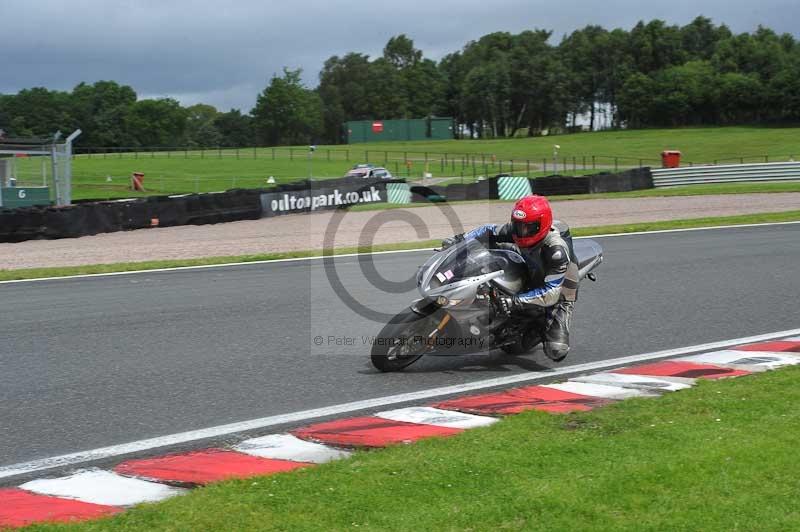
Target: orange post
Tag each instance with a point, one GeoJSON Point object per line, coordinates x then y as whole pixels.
{"type": "Point", "coordinates": [137, 181]}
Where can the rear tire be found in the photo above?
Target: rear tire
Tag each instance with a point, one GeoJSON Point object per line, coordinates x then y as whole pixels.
{"type": "Point", "coordinates": [395, 347]}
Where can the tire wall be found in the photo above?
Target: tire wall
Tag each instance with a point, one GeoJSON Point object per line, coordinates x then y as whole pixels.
{"type": "Point", "coordinates": [93, 217]}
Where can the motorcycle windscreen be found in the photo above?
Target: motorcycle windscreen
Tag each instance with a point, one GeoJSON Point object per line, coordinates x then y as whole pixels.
{"type": "Point", "coordinates": [470, 259]}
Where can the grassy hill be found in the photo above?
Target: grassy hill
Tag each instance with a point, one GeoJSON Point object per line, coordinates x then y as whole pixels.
{"type": "Point", "coordinates": [699, 145]}
{"type": "Point", "coordinates": [212, 170]}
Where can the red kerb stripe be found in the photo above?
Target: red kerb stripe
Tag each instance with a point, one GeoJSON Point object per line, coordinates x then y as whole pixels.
{"type": "Point", "coordinates": [203, 467]}
{"type": "Point", "coordinates": [19, 508]}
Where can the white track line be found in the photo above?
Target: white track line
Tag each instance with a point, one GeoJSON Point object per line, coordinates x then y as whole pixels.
{"type": "Point", "coordinates": [346, 255]}
{"type": "Point", "coordinates": [305, 415]}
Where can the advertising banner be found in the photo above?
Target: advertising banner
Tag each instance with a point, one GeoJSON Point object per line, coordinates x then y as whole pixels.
{"type": "Point", "coordinates": [322, 198]}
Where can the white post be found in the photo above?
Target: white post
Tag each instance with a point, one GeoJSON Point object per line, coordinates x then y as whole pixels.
{"type": "Point", "coordinates": [56, 179]}
{"type": "Point", "coordinates": [68, 166]}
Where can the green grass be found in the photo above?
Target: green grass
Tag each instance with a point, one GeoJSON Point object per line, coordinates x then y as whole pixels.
{"type": "Point", "coordinates": [181, 172]}
{"type": "Point", "coordinates": [721, 456]}
{"type": "Point", "coordinates": [696, 190]}
{"type": "Point", "coordinates": [36, 273]}
{"type": "Point", "coordinates": [689, 190]}
{"type": "Point", "coordinates": [698, 145]}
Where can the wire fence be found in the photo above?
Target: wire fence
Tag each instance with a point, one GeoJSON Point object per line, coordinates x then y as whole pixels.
{"type": "Point", "coordinates": [441, 161]}
{"type": "Point", "coordinates": [378, 156]}
{"type": "Point", "coordinates": [358, 155]}
{"type": "Point", "coordinates": [99, 175]}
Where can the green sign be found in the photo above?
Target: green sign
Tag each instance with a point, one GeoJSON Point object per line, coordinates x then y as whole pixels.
{"type": "Point", "coordinates": [14, 197]}
{"type": "Point", "coordinates": [513, 188]}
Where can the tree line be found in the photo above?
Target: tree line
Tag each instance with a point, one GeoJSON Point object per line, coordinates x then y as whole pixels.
{"type": "Point", "coordinates": [503, 84]}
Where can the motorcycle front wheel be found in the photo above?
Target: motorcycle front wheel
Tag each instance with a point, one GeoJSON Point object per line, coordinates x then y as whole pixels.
{"type": "Point", "coordinates": [405, 339]}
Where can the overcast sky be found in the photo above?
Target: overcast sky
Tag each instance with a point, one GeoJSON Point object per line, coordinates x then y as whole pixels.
{"type": "Point", "coordinates": [204, 51]}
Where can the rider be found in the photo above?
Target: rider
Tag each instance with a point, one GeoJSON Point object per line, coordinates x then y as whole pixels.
{"type": "Point", "coordinates": [554, 282]}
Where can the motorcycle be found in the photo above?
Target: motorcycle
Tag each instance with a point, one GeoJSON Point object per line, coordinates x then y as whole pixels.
{"type": "Point", "coordinates": [460, 310]}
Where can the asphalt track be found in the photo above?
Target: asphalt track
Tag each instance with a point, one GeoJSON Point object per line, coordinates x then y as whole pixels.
{"type": "Point", "coordinates": [86, 363]}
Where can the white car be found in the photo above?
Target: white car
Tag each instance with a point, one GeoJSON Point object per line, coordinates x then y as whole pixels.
{"type": "Point", "coordinates": [367, 171]}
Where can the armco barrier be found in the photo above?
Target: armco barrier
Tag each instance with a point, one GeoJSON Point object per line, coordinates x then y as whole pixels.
{"type": "Point", "coordinates": [729, 173]}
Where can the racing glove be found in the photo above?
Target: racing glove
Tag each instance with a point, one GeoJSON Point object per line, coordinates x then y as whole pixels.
{"type": "Point", "coordinates": [508, 304]}
{"type": "Point", "coordinates": [452, 241]}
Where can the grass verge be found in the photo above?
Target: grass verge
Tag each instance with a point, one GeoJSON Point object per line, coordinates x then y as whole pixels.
{"type": "Point", "coordinates": [107, 176]}
{"type": "Point", "coordinates": [36, 273]}
{"type": "Point", "coordinates": [690, 190]}
{"type": "Point", "coordinates": [721, 456]}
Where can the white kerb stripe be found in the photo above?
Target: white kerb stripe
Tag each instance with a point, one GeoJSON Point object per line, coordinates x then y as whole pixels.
{"type": "Point", "coordinates": [752, 360]}
{"type": "Point", "coordinates": [426, 415]}
{"type": "Point", "coordinates": [637, 382]}
{"type": "Point", "coordinates": [287, 447]}
{"type": "Point", "coordinates": [102, 487]}
{"type": "Point", "coordinates": [25, 468]}
{"type": "Point", "coordinates": [793, 339]}
{"type": "Point", "coordinates": [599, 390]}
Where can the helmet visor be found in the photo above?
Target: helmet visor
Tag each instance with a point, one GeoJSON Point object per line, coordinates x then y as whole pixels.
{"type": "Point", "coordinates": [526, 229]}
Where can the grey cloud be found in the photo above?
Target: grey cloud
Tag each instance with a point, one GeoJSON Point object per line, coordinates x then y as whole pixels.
{"type": "Point", "coordinates": [225, 54]}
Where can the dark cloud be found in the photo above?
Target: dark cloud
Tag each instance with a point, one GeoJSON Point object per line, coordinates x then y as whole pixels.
{"type": "Point", "coordinates": [224, 54]}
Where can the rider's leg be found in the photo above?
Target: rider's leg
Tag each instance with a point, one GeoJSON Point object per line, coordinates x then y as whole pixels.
{"type": "Point", "coordinates": [556, 337]}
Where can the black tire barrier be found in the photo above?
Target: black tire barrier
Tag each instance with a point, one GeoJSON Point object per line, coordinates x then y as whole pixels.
{"type": "Point", "coordinates": [629, 180]}
{"type": "Point", "coordinates": [90, 218]}
{"type": "Point", "coordinates": [480, 190]}
{"type": "Point", "coordinates": [555, 185]}
{"type": "Point", "coordinates": [560, 185]}
{"type": "Point", "coordinates": [84, 219]}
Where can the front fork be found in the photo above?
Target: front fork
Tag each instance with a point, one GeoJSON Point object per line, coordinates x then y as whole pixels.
{"type": "Point", "coordinates": [425, 308]}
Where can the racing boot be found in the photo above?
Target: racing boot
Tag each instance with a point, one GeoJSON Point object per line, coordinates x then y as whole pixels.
{"type": "Point", "coordinates": [556, 337]}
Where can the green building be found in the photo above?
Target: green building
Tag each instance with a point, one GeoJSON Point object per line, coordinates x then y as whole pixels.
{"type": "Point", "coordinates": [432, 128]}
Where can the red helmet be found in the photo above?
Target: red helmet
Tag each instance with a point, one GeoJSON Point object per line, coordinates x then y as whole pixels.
{"type": "Point", "coordinates": [531, 220]}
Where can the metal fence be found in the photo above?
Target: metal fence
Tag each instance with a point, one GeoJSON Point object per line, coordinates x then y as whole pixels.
{"type": "Point", "coordinates": [694, 175]}
{"type": "Point", "coordinates": [41, 164]}
{"type": "Point", "coordinates": [392, 159]}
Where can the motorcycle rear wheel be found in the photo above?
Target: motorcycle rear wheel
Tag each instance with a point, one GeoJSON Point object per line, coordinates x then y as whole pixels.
{"type": "Point", "coordinates": [402, 341]}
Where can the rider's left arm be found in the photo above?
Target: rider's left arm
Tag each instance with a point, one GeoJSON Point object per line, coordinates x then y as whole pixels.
{"type": "Point", "coordinates": [490, 233]}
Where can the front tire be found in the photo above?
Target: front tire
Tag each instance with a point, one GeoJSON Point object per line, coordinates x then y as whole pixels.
{"type": "Point", "coordinates": [402, 341]}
